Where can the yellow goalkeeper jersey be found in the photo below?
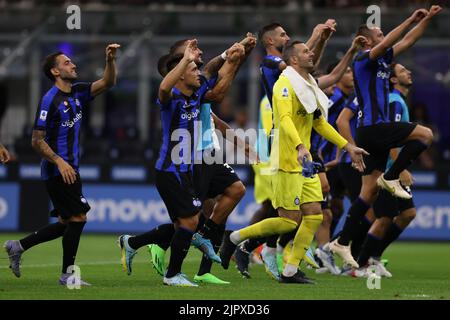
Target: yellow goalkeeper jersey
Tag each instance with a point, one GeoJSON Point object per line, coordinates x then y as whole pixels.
{"type": "Point", "coordinates": [293, 126]}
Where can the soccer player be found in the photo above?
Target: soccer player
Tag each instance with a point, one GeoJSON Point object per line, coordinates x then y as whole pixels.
{"type": "Point", "coordinates": [351, 179]}
{"type": "Point", "coordinates": [393, 214]}
{"type": "Point", "coordinates": [56, 137]}
{"type": "Point", "coordinates": [216, 179]}
{"type": "Point", "coordinates": [274, 38]}
{"type": "Point", "coordinates": [175, 182]}
{"type": "Point", "coordinates": [4, 154]}
{"type": "Point", "coordinates": [295, 196]}
{"type": "Point", "coordinates": [375, 132]}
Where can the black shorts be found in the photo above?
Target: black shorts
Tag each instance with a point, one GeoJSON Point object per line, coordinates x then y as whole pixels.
{"type": "Point", "coordinates": [67, 199]}
{"type": "Point", "coordinates": [379, 139]}
{"type": "Point", "coordinates": [178, 193]}
{"type": "Point", "coordinates": [351, 180]}
{"type": "Point", "coordinates": [211, 180]}
{"type": "Point", "coordinates": [316, 158]}
{"type": "Point", "coordinates": [390, 206]}
{"type": "Point", "coordinates": [337, 187]}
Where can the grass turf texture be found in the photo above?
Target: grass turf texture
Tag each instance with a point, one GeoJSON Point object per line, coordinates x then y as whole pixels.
{"type": "Point", "coordinates": [420, 270]}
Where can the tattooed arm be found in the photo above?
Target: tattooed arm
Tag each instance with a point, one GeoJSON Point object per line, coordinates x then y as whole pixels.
{"type": "Point", "coordinates": [43, 149]}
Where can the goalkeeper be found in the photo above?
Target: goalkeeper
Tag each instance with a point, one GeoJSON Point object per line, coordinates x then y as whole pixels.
{"type": "Point", "coordinates": [298, 105]}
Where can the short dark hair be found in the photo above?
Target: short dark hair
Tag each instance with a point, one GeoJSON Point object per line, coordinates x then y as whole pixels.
{"type": "Point", "coordinates": [176, 45]}
{"type": "Point", "coordinates": [392, 75]}
{"type": "Point", "coordinates": [162, 64]}
{"type": "Point", "coordinates": [173, 61]}
{"type": "Point", "coordinates": [269, 27]}
{"type": "Point", "coordinates": [289, 49]}
{"type": "Point", "coordinates": [49, 63]}
{"type": "Point", "coordinates": [363, 30]}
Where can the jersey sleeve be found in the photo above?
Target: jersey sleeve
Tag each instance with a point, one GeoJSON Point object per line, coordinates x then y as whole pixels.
{"type": "Point", "coordinates": [83, 91]}
{"type": "Point", "coordinates": [282, 99]}
{"type": "Point", "coordinates": [206, 84]}
{"type": "Point", "coordinates": [352, 104]}
{"type": "Point", "coordinates": [389, 55]}
{"type": "Point", "coordinates": [272, 63]}
{"type": "Point", "coordinates": [43, 114]}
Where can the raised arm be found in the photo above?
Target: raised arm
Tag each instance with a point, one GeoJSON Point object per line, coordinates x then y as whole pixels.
{"type": "Point", "coordinates": [416, 33]}
{"type": "Point", "coordinates": [170, 80]}
{"type": "Point", "coordinates": [337, 73]}
{"type": "Point", "coordinates": [43, 149]}
{"type": "Point", "coordinates": [110, 75]}
{"type": "Point", "coordinates": [326, 32]}
{"type": "Point", "coordinates": [226, 74]}
{"type": "Point", "coordinates": [392, 37]}
{"type": "Point", "coordinates": [214, 65]}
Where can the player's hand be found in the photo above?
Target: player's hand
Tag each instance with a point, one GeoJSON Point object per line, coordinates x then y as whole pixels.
{"type": "Point", "coordinates": [67, 172]}
{"type": "Point", "coordinates": [111, 51]}
{"type": "Point", "coordinates": [406, 178]}
{"type": "Point", "coordinates": [358, 42]}
{"type": "Point", "coordinates": [434, 10]}
{"type": "Point", "coordinates": [418, 15]}
{"type": "Point", "coordinates": [328, 32]}
{"type": "Point", "coordinates": [301, 153]}
{"type": "Point", "coordinates": [235, 52]}
{"type": "Point", "coordinates": [191, 53]}
{"type": "Point", "coordinates": [4, 155]}
{"type": "Point", "coordinates": [249, 42]}
{"type": "Point", "coordinates": [357, 156]}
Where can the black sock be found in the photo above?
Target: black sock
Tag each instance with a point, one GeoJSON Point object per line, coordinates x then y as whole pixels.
{"type": "Point", "coordinates": [360, 236]}
{"type": "Point", "coordinates": [209, 229]}
{"type": "Point", "coordinates": [370, 245]}
{"type": "Point", "coordinates": [253, 243]}
{"type": "Point", "coordinates": [216, 240]}
{"type": "Point", "coordinates": [178, 250]}
{"type": "Point", "coordinates": [70, 241]}
{"type": "Point", "coordinates": [391, 235]}
{"type": "Point", "coordinates": [285, 238]}
{"type": "Point", "coordinates": [409, 153]}
{"type": "Point", "coordinates": [271, 241]}
{"type": "Point", "coordinates": [161, 235]}
{"type": "Point", "coordinates": [354, 216]}
{"type": "Point", "coordinates": [47, 233]}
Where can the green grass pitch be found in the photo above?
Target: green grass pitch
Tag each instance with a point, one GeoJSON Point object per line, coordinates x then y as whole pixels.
{"type": "Point", "coordinates": [421, 271]}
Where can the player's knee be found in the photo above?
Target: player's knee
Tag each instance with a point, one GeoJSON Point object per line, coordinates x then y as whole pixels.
{"type": "Point", "coordinates": [427, 136]}
{"type": "Point", "coordinates": [407, 216]}
{"type": "Point", "coordinates": [237, 191]}
{"type": "Point", "coordinates": [424, 134]}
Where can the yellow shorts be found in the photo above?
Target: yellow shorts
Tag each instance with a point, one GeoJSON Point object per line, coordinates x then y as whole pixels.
{"type": "Point", "coordinates": [290, 190]}
{"type": "Point", "coordinates": [263, 189]}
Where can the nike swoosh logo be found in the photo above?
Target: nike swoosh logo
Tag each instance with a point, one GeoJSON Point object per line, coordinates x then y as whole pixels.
{"type": "Point", "coordinates": [65, 111]}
